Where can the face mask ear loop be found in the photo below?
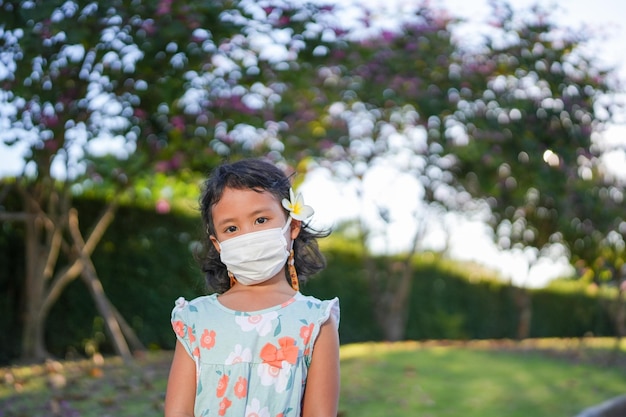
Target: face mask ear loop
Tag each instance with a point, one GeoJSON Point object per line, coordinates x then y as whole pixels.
{"type": "Point", "coordinates": [286, 226]}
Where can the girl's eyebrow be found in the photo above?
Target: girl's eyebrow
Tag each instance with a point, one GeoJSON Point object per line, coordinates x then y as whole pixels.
{"type": "Point", "coordinates": [223, 222]}
{"type": "Point", "coordinates": [256, 212]}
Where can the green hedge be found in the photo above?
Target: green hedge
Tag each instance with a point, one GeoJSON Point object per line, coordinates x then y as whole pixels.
{"type": "Point", "coordinates": [145, 263]}
{"type": "Point", "coordinates": [11, 289]}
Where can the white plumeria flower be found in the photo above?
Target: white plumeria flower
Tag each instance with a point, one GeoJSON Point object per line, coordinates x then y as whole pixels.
{"type": "Point", "coordinates": [254, 409]}
{"type": "Point", "coordinates": [296, 207]}
{"type": "Point", "coordinates": [271, 375]}
{"type": "Point", "coordinates": [262, 323]}
{"type": "Point", "coordinates": [239, 355]}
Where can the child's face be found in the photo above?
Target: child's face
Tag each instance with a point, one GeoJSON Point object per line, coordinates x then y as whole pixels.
{"type": "Point", "coordinates": [243, 211]}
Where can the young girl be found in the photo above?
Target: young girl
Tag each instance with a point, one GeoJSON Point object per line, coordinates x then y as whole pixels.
{"type": "Point", "coordinates": [257, 347]}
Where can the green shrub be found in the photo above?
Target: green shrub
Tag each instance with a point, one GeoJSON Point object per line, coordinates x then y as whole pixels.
{"type": "Point", "coordinates": [145, 262]}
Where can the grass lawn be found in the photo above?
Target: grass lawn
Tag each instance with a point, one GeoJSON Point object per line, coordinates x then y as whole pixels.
{"type": "Point", "coordinates": [547, 377]}
{"type": "Point", "coordinates": [476, 379]}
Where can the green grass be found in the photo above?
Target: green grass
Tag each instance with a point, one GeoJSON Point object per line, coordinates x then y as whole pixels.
{"type": "Point", "coordinates": [547, 377]}
{"type": "Point", "coordinates": [477, 380]}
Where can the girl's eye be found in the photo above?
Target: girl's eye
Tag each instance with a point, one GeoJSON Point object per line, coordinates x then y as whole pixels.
{"type": "Point", "coordinates": [230, 229]}
{"type": "Point", "coordinates": [261, 220]}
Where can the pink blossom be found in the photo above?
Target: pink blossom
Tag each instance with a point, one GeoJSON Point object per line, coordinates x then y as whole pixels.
{"type": "Point", "coordinates": [162, 206]}
{"type": "Point", "coordinates": [178, 122]}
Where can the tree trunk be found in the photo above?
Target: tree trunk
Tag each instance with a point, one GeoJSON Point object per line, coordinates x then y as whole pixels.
{"type": "Point", "coordinates": [524, 309]}
{"type": "Point", "coordinates": [390, 290]}
{"type": "Point", "coordinates": [33, 347]}
{"type": "Point", "coordinates": [398, 308]}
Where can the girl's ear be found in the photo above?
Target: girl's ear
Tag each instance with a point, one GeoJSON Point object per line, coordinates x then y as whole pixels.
{"type": "Point", "coordinates": [296, 225]}
{"type": "Point", "coordinates": [215, 243]}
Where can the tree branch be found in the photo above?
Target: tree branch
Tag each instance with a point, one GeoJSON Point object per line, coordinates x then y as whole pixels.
{"type": "Point", "coordinates": [100, 227]}
{"type": "Point", "coordinates": [15, 216]}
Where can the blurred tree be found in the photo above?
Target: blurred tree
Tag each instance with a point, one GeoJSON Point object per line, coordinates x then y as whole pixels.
{"type": "Point", "coordinates": [529, 106]}
{"type": "Point", "coordinates": [378, 101]}
{"type": "Point", "coordinates": [508, 126]}
{"type": "Point", "coordinates": [598, 246]}
{"type": "Point", "coordinates": [171, 84]}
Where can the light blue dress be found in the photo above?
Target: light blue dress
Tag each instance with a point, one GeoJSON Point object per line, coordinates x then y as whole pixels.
{"type": "Point", "coordinates": [251, 364]}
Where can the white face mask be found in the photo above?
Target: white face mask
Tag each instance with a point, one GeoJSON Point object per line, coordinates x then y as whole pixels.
{"type": "Point", "coordinates": [257, 256]}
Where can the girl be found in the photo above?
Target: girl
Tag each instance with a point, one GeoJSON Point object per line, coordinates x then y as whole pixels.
{"type": "Point", "coordinates": [256, 347]}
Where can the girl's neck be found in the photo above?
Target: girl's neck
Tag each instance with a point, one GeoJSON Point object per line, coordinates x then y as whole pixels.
{"type": "Point", "coordinates": [257, 297]}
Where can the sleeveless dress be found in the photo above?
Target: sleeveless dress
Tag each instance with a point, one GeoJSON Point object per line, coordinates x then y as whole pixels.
{"type": "Point", "coordinates": [251, 363]}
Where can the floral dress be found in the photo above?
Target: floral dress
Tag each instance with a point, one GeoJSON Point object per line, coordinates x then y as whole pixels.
{"type": "Point", "coordinates": [251, 364]}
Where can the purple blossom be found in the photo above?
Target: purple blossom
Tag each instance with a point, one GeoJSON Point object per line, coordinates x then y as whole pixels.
{"type": "Point", "coordinates": [164, 7]}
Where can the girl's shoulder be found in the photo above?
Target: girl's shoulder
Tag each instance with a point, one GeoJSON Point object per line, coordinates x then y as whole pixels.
{"type": "Point", "coordinates": [310, 299]}
{"type": "Point", "coordinates": [314, 300]}
{"type": "Point", "coordinates": [325, 308]}
{"type": "Point", "coordinates": [183, 305]}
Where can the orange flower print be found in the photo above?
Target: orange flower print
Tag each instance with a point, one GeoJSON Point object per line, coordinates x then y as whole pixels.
{"type": "Point", "coordinates": [208, 339]}
{"type": "Point", "coordinates": [196, 352]}
{"type": "Point", "coordinates": [179, 328]}
{"type": "Point", "coordinates": [241, 387]}
{"type": "Point", "coordinates": [224, 404]}
{"type": "Point", "coordinates": [305, 333]}
{"type": "Point", "coordinates": [274, 356]}
{"type": "Point", "coordinates": [192, 337]}
{"type": "Point", "coordinates": [222, 384]}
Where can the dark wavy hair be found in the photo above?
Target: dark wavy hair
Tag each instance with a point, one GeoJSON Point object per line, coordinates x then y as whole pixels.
{"type": "Point", "coordinates": [257, 175]}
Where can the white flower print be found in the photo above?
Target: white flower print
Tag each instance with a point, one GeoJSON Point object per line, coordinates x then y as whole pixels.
{"type": "Point", "coordinates": [272, 375]}
{"type": "Point", "coordinates": [254, 409]}
{"type": "Point", "coordinates": [262, 323]}
{"type": "Point", "coordinates": [239, 355]}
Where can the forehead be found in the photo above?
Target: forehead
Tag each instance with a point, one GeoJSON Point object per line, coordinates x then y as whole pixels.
{"type": "Point", "coordinates": [241, 202]}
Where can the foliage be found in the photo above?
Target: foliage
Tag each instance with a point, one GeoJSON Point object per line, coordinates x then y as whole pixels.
{"type": "Point", "coordinates": [506, 128]}
{"type": "Point", "coordinates": [169, 80]}
{"type": "Point", "coordinates": [529, 110]}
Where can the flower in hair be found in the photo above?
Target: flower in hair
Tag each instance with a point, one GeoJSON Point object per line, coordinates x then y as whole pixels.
{"type": "Point", "coordinates": [296, 207]}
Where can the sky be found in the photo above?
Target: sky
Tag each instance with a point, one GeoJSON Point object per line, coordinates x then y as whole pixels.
{"type": "Point", "coordinates": [602, 17]}
{"type": "Point", "coordinates": [471, 240]}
